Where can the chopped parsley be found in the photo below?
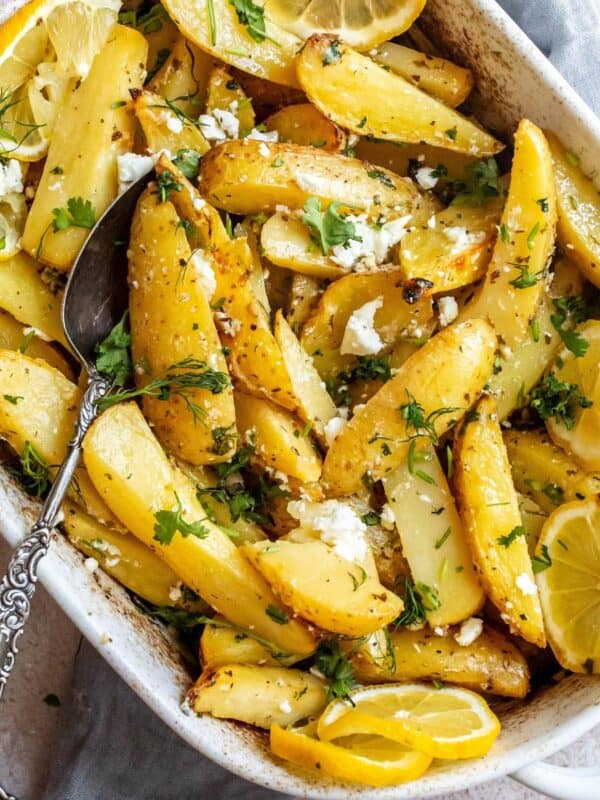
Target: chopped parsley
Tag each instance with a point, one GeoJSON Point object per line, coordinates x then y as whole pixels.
{"type": "Point", "coordinates": [452, 133]}
{"type": "Point", "coordinates": [511, 537]}
{"type": "Point", "coordinates": [543, 204]}
{"type": "Point", "coordinates": [371, 518]}
{"type": "Point", "coordinates": [526, 278]}
{"type": "Point", "coordinates": [443, 538]}
{"type": "Point", "coordinates": [379, 175]}
{"type": "Point", "coordinates": [535, 330]}
{"type": "Point", "coordinates": [168, 523]}
{"type": "Point", "coordinates": [574, 310]}
{"type": "Point", "coordinates": [253, 17]}
{"type": "Point", "coordinates": [328, 228]}
{"type": "Point", "coordinates": [113, 357]}
{"type": "Point", "coordinates": [224, 438]}
{"type": "Point", "coordinates": [368, 368]}
{"type": "Point", "coordinates": [188, 163]}
{"type": "Point", "coordinates": [543, 561]}
{"type": "Point", "coordinates": [277, 614]}
{"type": "Point", "coordinates": [12, 398]}
{"type": "Point", "coordinates": [531, 236]}
{"type": "Point", "coordinates": [332, 54]}
{"type": "Point", "coordinates": [166, 184]}
{"type": "Point", "coordinates": [553, 398]}
{"type": "Point", "coordinates": [362, 123]}
{"type": "Point", "coordinates": [335, 665]}
{"type": "Point", "coordinates": [482, 186]}
{"type": "Point", "coordinates": [504, 232]}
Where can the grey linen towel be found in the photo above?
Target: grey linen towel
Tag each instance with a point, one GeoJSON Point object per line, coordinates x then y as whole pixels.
{"type": "Point", "coordinates": [112, 746]}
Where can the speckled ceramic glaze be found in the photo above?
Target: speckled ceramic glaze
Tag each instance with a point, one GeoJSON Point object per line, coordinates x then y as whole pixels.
{"type": "Point", "coordinates": [513, 80]}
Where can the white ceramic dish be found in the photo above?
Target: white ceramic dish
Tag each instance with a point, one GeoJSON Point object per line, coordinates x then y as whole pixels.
{"type": "Point", "coordinates": [513, 80]}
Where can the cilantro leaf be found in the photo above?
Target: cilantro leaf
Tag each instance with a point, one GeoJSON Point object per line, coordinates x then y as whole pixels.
{"type": "Point", "coordinates": [558, 399]}
{"type": "Point", "coordinates": [188, 162]}
{"type": "Point", "coordinates": [570, 309]}
{"type": "Point", "coordinates": [166, 184]}
{"type": "Point", "coordinates": [79, 214]}
{"type": "Point", "coordinates": [328, 228]}
{"type": "Point", "coordinates": [526, 278]}
{"type": "Point", "coordinates": [168, 523]}
{"type": "Point", "coordinates": [113, 357]}
{"type": "Point", "coordinates": [334, 663]}
{"type": "Point", "coordinates": [483, 184]}
{"type": "Point", "coordinates": [253, 17]}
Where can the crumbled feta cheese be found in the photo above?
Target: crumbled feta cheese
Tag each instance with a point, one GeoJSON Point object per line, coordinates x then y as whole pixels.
{"type": "Point", "coordinates": [36, 332]}
{"type": "Point", "coordinates": [91, 564]}
{"type": "Point", "coordinates": [360, 337]}
{"type": "Point", "coordinates": [308, 183]}
{"type": "Point", "coordinates": [131, 167]}
{"type": "Point", "coordinates": [432, 222]}
{"type": "Point", "coordinates": [198, 203]}
{"type": "Point", "coordinates": [440, 630]}
{"type": "Point", "coordinates": [263, 136]}
{"type": "Point", "coordinates": [228, 122]}
{"type": "Point", "coordinates": [333, 428]}
{"type": "Point", "coordinates": [230, 326]}
{"type": "Point", "coordinates": [337, 525]}
{"type": "Point", "coordinates": [174, 124]}
{"type": "Point", "coordinates": [505, 351]}
{"type": "Point", "coordinates": [211, 129]}
{"type": "Point", "coordinates": [525, 585]}
{"type": "Point", "coordinates": [11, 177]}
{"type": "Point", "coordinates": [447, 310]}
{"type": "Point", "coordinates": [264, 150]}
{"type": "Point", "coordinates": [426, 178]}
{"type": "Point", "coordinates": [469, 631]}
{"type": "Point", "coordinates": [462, 238]}
{"type": "Point", "coordinates": [285, 707]}
{"type": "Point", "coordinates": [388, 520]}
{"type": "Point", "coordinates": [370, 242]}
{"type": "Point", "coordinates": [353, 140]}
{"type": "Point", "coordinates": [175, 593]}
{"type": "Point", "coordinates": [203, 272]}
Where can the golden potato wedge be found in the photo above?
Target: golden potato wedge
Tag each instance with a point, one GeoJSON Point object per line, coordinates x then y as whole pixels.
{"type": "Point", "coordinates": [304, 124]}
{"type": "Point", "coordinates": [183, 78]}
{"type": "Point", "coordinates": [133, 474]}
{"type": "Point", "coordinates": [489, 509]}
{"type": "Point", "coordinates": [25, 295]}
{"type": "Point", "coordinates": [260, 696]}
{"type": "Point", "coordinates": [171, 321]}
{"type": "Point", "coordinates": [258, 277]}
{"type": "Point", "coordinates": [533, 519]}
{"type": "Point", "coordinates": [286, 242]}
{"type": "Point", "coordinates": [13, 336]}
{"type": "Point", "coordinates": [436, 76]}
{"type": "Point", "coordinates": [224, 92]}
{"type": "Point", "coordinates": [215, 27]}
{"type": "Point", "coordinates": [323, 332]}
{"type": "Point", "coordinates": [314, 403]}
{"type": "Point", "coordinates": [105, 129]}
{"type": "Point", "coordinates": [243, 177]}
{"type": "Point", "coordinates": [543, 471]}
{"type": "Point", "coordinates": [222, 643]}
{"type": "Point", "coordinates": [305, 292]}
{"type": "Point", "coordinates": [403, 158]}
{"type": "Point", "coordinates": [361, 96]}
{"type": "Point", "coordinates": [324, 588]}
{"type": "Point", "coordinates": [516, 275]}
{"type": "Point", "coordinates": [279, 438]}
{"type": "Point", "coordinates": [127, 560]}
{"type": "Point", "coordinates": [433, 538]}
{"type": "Point", "coordinates": [161, 34]}
{"type": "Point", "coordinates": [515, 377]}
{"type": "Point", "coordinates": [47, 427]}
{"type": "Point", "coordinates": [454, 248]}
{"type": "Point", "coordinates": [492, 663]}
{"type": "Point", "coordinates": [578, 228]}
{"type": "Point", "coordinates": [443, 378]}
{"type": "Point", "coordinates": [164, 128]}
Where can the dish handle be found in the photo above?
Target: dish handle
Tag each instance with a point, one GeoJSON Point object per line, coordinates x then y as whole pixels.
{"type": "Point", "coordinates": [561, 783]}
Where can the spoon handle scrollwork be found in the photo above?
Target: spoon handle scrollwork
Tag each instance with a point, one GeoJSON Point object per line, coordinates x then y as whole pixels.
{"type": "Point", "coordinates": [18, 585]}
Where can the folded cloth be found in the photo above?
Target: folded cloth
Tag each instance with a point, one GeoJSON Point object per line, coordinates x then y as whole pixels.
{"type": "Point", "coordinates": [112, 746]}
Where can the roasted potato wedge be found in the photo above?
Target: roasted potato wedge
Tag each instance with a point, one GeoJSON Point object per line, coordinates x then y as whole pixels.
{"type": "Point", "coordinates": [286, 242]}
{"type": "Point", "coordinates": [543, 471]}
{"type": "Point", "coordinates": [131, 471]}
{"type": "Point", "coordinates": [578, 229]}
{"type": "Point", "coordinates": [305, 292]}
{"type": "Point", "coordinates": [315, 406]}
{"type": "Point", "coordinates": [105, 129]}
{"type": "Point", "coordinates": [13, 336]}
{"type": "Point", "coordinates": [278, 438]}
{"type": "Point", "coordinates": [323, 332]}
{"type": "Point", "coordinates": [434, 541]}
{"type": "Point", "coordinates": [324, 588]}
{"type": "Point", "coordinates": [489, 509]}
{"type": "Point", "coordinates": [436, 76]}
{"type": "Point", "coordinates": [245, 177]}
{"type": "Point", "coordinates": [222, 643]}
{"type": "Point", "coordinates": [260, 696]}
{"type": "Point", "coordinates": [267, 97]}
{"type": "Point", "coordinates": [304, 124]}
{"type": "Point", "coordinates": [444, 376]}
{"type": "Point", "coordinates": [406, 157]}
{"type": "Point", "coordinates": [171, 321]}
{"type": "Point", "coordinates": [164, 129]}
{"type": "Point", "coordinates": [215, 27]}
{"type": "Point", "coordinates": [516, 275]}
{"type": "Point", "coordinates": [183, 78]}
{"type": "Point", "coordinates": [492, 663]}
{"type": "Point", "coordinates": [386, 106]}
{"type": "Point", "coordinates": [224, 92]}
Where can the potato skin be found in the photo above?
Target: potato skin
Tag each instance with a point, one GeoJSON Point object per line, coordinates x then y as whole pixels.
{"type": "Point", "coordinates": [492, 663]}
{"type": "Point", "coordinates": [489, 508]}
{"type": "Point", "coordinates": [171, 320]}
{"type": "Point", "coordinates": [448, 372]}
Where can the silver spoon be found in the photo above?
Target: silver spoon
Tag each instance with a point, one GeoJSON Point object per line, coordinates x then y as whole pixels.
{"type": "Point", "coordinates": [94, 301]}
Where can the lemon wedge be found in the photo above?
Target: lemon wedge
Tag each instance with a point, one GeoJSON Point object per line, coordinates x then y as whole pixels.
{"type": "Point", "coordinates": [568, 557]}
{"type": "Point", "coordinates": [372, 760]}
{"type": "Point", "coordinates": [360, 23]}
{"type": "Point", "coordinates": [44, 49]}
{"type": "Point", "coordinates": [579, 430]}
{"type": "Point", "coordinates": [442, 723]}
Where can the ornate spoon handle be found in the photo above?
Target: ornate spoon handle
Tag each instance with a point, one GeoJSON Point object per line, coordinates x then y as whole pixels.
{"type": "Point", "coordinates": [18, 585]}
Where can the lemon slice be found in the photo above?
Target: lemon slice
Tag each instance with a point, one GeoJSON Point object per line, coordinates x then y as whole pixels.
{"type": "Point", "coordinates": [569, 586]}
{"type": "Point", "coordinates": [44, 48]}
{"type": "Point", "coordinates": [583, 438]}
{"type": "Point", "coordinates": [13, 212]}
{"type": "Point", "coordinates": [360, 23]}
{"type": "Point", "coordinates": [443, 723]}
{"type": "Point", "coordinates": [363, 759]}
